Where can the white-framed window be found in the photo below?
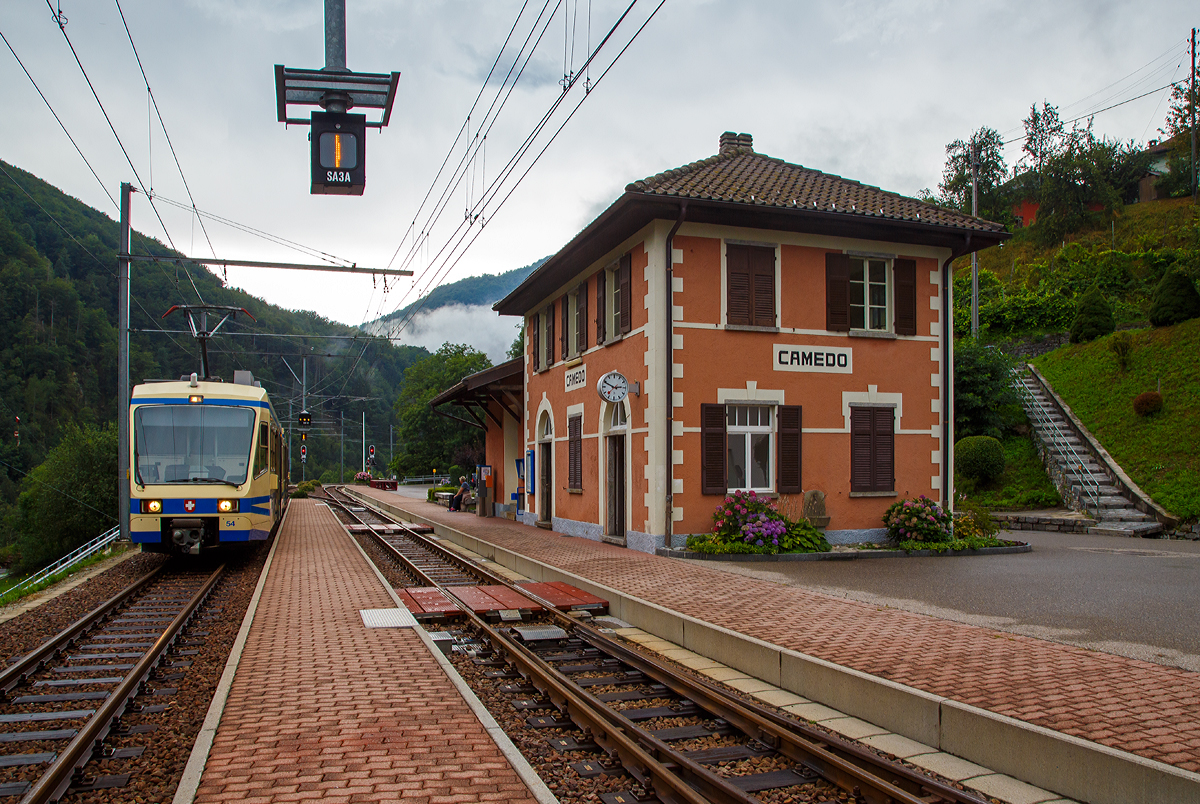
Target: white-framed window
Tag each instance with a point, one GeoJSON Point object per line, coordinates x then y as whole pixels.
{"type": "Point", "coordinates": [618, 420]}
{"type": "Point", "coordinates": [870, 293]}
{"type": "Point", "coordinates": [547, 433]}
{"type": "Point", "coordinates": [750, 447]}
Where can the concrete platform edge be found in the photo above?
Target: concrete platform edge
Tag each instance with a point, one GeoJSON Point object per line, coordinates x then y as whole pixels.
{"type": "Point", "coordinates": [189, 782]}
{"type": "Point", "coordinates": [515, 758]}
{"type": "Point", "coordinates": [1068, 765]}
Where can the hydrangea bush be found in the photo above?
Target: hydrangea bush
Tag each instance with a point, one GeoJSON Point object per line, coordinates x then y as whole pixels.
{"type": "Point", "coordinates": [746, 522]}
{"type": "Point", "coordinates": [919, 520]}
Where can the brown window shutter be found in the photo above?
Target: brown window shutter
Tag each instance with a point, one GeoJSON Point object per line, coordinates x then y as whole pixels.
{"type": "Point", "coordinates": [789, 449]}
{"type": "Point", "coordinates": [575, 453]}
{"type": "Point", "coordinates": [535, 331]}
{"type": "Point", "coordinates": [905, 274]}
{"type": "Point", "coordinates": [564, 345]}
{"type": "Point", "coordinates": [884, 447]}
{"type": "Point", "coordinates": [712, 449]}
{"type": "Point", "coordinates": [601, 289]}
{"type": "Point", "coordinates": [762, 280]}
{"type": "Point", "coordinates": [581, 319]}
{"type": "Point", "coordinates": [862, 475]}
{"type": "Point", "coordinates": [737, 285]}
{"type": "Point", "coordinates": [550, 336]}
{"type": "Point", "coordinates": [625, 283]}
{"type": "Point", "coordinates": [837, 292]}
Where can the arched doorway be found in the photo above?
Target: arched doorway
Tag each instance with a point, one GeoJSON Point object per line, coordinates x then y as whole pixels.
{"type": "Point", "coordinates": [616, 485]}
{"type": "Point", "coordinates": [545, 487]}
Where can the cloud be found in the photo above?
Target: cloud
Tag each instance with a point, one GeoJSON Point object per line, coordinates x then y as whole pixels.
{"type": "Point", "coordinates": [477, 325]}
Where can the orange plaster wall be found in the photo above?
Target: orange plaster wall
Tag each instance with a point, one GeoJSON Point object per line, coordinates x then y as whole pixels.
{"type": "Point", "coordinates": [717, 358]}
{"type": "Point", "coordinates": [625, 355]}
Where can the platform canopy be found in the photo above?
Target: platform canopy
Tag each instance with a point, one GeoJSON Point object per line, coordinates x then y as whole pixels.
{"type": "Point", "coordinates": [501, 384]}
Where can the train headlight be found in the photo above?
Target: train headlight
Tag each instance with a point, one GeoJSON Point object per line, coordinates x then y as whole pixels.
{"type": "Point", "coordinates": [227, 506]}
{"type": "Point", "coordinates": [151, 506]}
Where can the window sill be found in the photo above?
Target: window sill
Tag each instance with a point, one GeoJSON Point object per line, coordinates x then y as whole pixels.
{"type": "Point", "coordinates": [871, 333]}
{"type": "Point", "coordinates": [574, 491]}
{"type": "Point", "coordinates": [873, 494]}
{"type": "Point", "coordinates": [574, 361]}
{"type": "Point", "coordinates": [770, 495]}
{"type": "Point", "coordinates": [748, 328]}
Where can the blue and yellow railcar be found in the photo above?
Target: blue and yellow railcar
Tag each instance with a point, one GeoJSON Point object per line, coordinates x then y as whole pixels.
{"type": "Point", "coordinates": [208, 464]}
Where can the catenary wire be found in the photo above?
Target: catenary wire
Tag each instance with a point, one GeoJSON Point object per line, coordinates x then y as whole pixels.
{"type": "Point", "coordinates": [61, 125]}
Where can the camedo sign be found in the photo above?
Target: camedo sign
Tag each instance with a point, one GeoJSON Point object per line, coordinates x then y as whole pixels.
{"type": "Point", "coordinates": [576, 377]}
{"type": "Point", "coordinates": [825, 359]}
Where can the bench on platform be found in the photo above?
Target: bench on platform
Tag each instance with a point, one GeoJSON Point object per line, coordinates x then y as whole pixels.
{"type": "Point", "coordinates": [442, 498]}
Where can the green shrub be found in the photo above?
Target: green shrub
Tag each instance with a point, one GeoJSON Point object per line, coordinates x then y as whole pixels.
{"type": "Point", "coordinates": [431, 495]}
{"type": "Point", "coordinates": [1093, 317]}
{"type": "Point", "coordinates": [1121, 345]}
{"type": "Point", "coordinates": [1147, 403]}
{"type": "Point", "coordinates": [298, 494]}
{"type": "Point", "coordinates": [801, 537]}
{"type": "Point", "coordinates": [979, 457]}
{"type": "Point", "coordinates": [919, 520]}
{"type": "Point", "coordinates": [973, 521]}
{"type": "Point", "coordinates": [985, 401]}
{"type": "Point", "coordinates": [1175, 300]}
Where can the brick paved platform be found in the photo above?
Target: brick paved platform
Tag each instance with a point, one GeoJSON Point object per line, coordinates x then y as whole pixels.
{"type": "Point", "coordinates": [1135, 706]}
{"type": "Point", "coordinates": [325, 708]}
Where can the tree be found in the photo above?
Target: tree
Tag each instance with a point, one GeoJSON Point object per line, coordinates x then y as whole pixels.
{"type": "Point", "coordinates": [1043, 135]}
{"type": "Point", "coordinates": [1094, 317]}
{"type": "Point", "coordinates": [1175, 300]}
{"type": "Point", "coordinates": [70, 498]}
{"type": "Point", "coordinates": [517, 349]}
{"type": "Point", "coordinates": [985, 401]}
{"type": "Point", "coordinates": [1179, 114]}
{"type": "Point", "coordinates": [955, 186]}
{"type": "Point", "coordinates": [428, 440]}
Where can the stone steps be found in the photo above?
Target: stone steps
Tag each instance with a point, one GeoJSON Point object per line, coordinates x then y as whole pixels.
{"type": "Point", "coordinates": [1083, 480]}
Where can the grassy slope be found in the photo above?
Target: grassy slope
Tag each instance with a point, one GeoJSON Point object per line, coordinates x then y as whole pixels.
{"type": "Point", "coordinates": [1161, 452]}
{"type": "Point", "coordinates": [1023, 486]}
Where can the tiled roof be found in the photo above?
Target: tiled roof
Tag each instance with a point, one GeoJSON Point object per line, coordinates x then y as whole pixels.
{"type": "Point", "coordinates": [739, 175]}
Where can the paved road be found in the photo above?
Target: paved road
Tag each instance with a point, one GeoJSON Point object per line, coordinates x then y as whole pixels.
{"type": "Point", "coordinates": [1134, 597]}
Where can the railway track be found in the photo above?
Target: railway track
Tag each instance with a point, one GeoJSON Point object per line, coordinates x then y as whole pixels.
{"type": "Point", "coordinates": [60, 700]}
{"type": "Point", "coordinates": [678, 738]}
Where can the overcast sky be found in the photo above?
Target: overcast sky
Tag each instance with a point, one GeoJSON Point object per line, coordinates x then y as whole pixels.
{"type": "Point", "coordinates": [868, 90]}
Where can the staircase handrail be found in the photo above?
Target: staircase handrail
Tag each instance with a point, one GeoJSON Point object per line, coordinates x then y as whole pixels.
{"type": "Point", "coordinates": [70, 559]}
{"type": "Point", "coordinates": [1037, 411]}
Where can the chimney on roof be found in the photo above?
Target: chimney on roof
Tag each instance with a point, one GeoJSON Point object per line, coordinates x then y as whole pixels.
{"type": "Point", "coordinates": [731, 142]}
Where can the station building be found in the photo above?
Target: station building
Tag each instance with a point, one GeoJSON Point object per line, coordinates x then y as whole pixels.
{"type": "Point", "coordinates": [740, 322]}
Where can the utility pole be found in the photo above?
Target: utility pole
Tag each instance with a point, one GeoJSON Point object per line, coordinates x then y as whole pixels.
{"type": "Point", "coordinates": [390, 456]}
{"type": "Point", "coordinates": [342, 472]}
{"type": "Point", "coordinates": [364, 441]}
{"type": "Point", "coordinates": [123, 361]}
{"type": "Point", "coordinates": [1193, 114]}
{"type": "Point", "coordinates": [289, 432]}
{"type": "Point", "coordinates": [975, 254]}
{"type": "Point", "coordinates": [304, 406]}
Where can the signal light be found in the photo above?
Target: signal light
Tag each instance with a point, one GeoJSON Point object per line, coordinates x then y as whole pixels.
{"type": "Point", "coordinates": [151, 506]}
{"type": "Point", "coordinates": [227, 506]}
{"type": "Point", "coordinates": [195, 399]}
{"type": "Point", "coordinates": [304, 436]}
{"type": "Point", "coordinates": [304, 420]}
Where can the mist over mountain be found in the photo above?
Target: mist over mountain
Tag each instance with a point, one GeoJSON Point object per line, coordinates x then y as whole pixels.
{"type": "Point", "coordinates": [459, 312]}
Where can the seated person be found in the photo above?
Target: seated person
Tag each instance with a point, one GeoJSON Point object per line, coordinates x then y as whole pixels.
{"type": "Point", "coordinates": [463, 489]}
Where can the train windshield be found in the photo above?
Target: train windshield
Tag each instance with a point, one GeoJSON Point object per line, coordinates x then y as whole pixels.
{"type": "Point", "coordinates": [192, 444]}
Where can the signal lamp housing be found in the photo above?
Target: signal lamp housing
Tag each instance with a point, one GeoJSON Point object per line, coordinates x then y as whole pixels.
{"type": "Point", "coordinates": [151, 506]}
{"type": "Point", "coordinates": [339, 153]}
{"type": "Point", "coordinates": [227, 506]}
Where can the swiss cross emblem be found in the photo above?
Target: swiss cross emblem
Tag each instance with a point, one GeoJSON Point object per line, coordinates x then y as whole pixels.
{"type": "Point", "coordinates": [189, 505]}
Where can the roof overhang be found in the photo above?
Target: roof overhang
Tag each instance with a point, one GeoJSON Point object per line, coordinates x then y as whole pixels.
{"type": "Point", "coordinates": [634, 210]}
{"type": "Point", "coordinates": [474, 393]}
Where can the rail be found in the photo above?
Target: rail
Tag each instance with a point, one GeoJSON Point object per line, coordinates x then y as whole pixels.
{"type": "Point", "coordinates": [57, 778]}
{"type": "Point", "coordinates": [423, 480]}
{"type": "Point", "coordinates": [1040, 415]}
{"type": "Point", "coordinates": [673, 776]}
{"type": "Point", "coordinates": [69, 560]}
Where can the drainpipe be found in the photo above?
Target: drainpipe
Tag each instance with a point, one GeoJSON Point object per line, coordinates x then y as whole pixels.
{"type": "Point", "coordinates": [947, 370]}
{"type": "Point", "coordinates": [670, 385]}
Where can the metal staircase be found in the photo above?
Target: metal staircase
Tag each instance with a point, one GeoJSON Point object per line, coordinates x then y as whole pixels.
{"type": "Point", "coordinates": [1080, 478]}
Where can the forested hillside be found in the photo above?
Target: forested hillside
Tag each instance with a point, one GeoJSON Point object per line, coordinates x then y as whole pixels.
{"type": "Point", "coordinates": [58, 359]}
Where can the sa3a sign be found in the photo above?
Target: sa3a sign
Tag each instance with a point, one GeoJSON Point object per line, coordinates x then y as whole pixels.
{"type": "Point", "coordinates": [820, 359]}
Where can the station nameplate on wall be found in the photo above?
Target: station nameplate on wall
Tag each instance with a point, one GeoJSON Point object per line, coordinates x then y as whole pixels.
{"type": "Point", "coordinates": [822, 359]}
{"type": "Point", "coordinates": [576, 377]}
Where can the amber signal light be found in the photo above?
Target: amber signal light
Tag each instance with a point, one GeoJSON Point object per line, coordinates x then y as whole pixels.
{"type": "Point", "coordinates": [195, 399]}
